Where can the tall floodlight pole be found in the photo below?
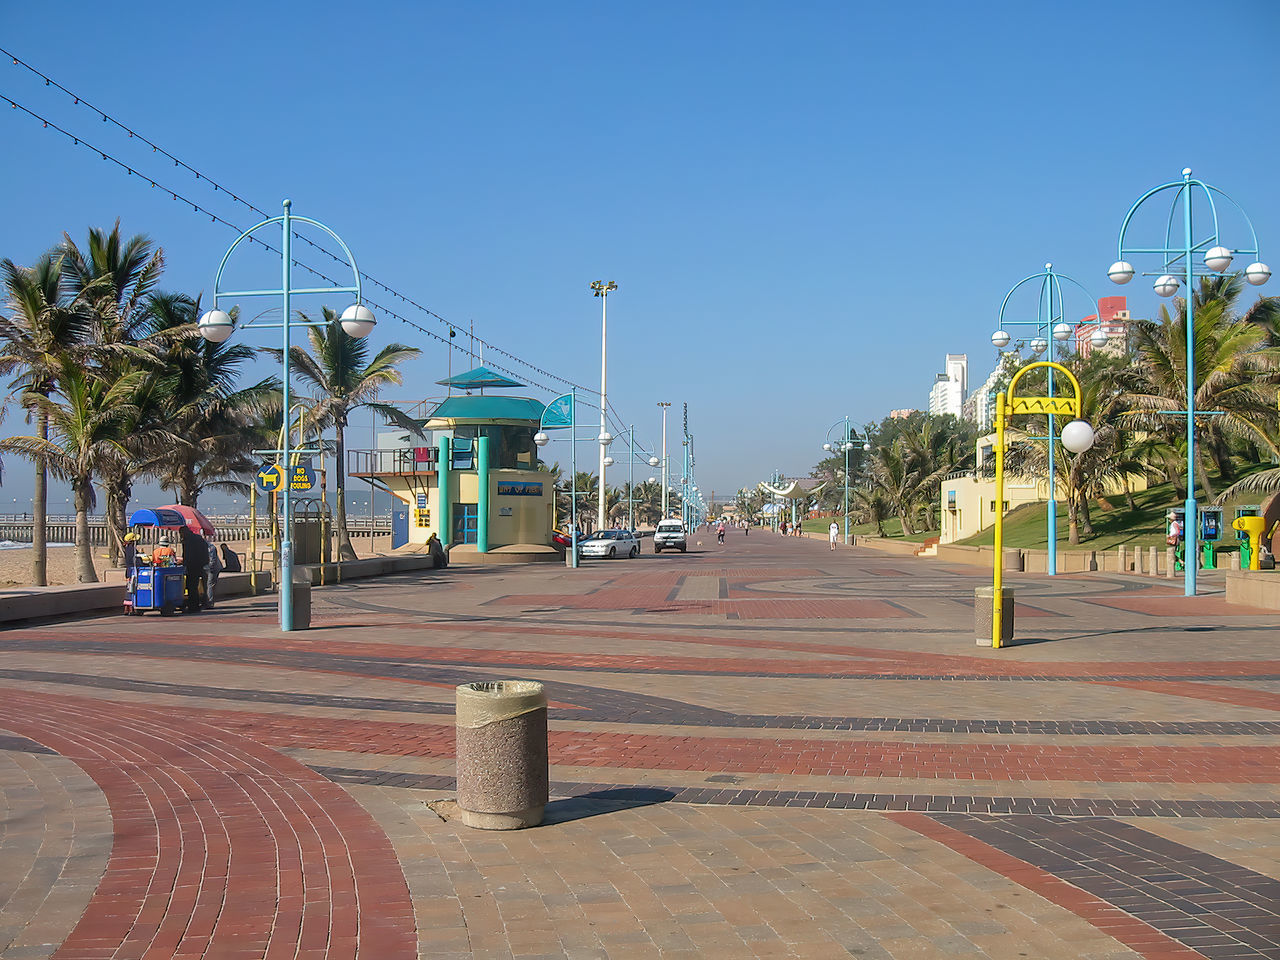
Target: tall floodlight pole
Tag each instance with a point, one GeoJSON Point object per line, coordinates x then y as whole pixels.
{"type": "Point", "coordinates": [1177, 265]}
{"type": "Point", "coordinates": [1052, 332]}
{"type": "Point", "coordinates": [216, 326]}
{"type": "Point", "coordinates": [844, 445]}
{"type": "Point", "coordinates": [602, 290]}
{"type": "Point", "coordinates": [664, 404]}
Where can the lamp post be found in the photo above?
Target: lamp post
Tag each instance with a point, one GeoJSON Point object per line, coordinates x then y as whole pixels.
{"type": "Point", "coordinates": [1177, 265]}
{"type": "Point", "coordinates": [1077, 437]}
{"type": "Point", "coordinates": [602, 290]}
{"type": "Point", "coordinates": [1052, 331]}
{"type": "Point", "coordinates": [216, 326]}
{"type": "Point", "coordinates": [664, 404]}
{"type": "Point", "coordinates": [844, 445]}
{"type": "Point", "coordinates": [562, 413]}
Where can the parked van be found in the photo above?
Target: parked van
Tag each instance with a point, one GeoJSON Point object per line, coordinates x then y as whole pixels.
{"type": "Point", "coordinates": [669, 534]}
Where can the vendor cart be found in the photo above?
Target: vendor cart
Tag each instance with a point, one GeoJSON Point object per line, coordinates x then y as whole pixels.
{"type": "Point", "coordinates": [150, 587]}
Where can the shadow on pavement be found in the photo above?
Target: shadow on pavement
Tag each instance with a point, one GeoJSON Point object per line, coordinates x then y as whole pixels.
{"type": "Point", "coordinates": [604, 801]}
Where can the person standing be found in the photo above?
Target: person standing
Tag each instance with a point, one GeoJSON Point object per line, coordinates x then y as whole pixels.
{"type": "Point", "coordinates": [195, 561]}
{"type": "Point", "coordinates": [163, 555]}
{"type": "Point", "coordinates": [834, 531]}
{"type": "Point", "coordinates": [214, 568]}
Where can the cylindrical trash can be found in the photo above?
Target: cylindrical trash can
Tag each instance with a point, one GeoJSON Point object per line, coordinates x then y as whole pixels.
{"type": "Point", "coordinates": [301, 599]}
{"type": "Point", "coordinates": [983, 611]}
{"type": "Point", "coordinates": [502, 754]}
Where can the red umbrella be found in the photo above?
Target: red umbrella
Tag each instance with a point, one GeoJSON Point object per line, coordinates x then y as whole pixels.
{"type": "Point", "coordinates": [194, 520]}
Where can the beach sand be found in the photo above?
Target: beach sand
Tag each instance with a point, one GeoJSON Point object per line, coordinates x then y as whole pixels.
{"type": "Point", "coordinates": [15, 565]}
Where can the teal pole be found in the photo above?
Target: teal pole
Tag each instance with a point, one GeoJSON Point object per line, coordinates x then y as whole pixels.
{"type": "Point", "coordinates": [1190, 529]}
{"type": "Point", "coordinates": [286, 542]}
{"type": "Point", "coordinates": [444, 493]}
{"type": "Point", "coordinates": [573, 477]}
{"type": "Point", "coordinates": [631, 479]}
{"type": "Point", "coordinates": [482, 497]}
{"type": "Point", "coordinates": [1051, 561]}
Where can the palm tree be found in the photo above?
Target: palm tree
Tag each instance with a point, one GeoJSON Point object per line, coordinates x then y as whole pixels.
{"type": "Point", "coordinates": [895, 477]}
{"type": "Point", "coordinates": [587, 488]}
{"type": "Point", "coordinates": [1234, 377]}
{"type": "Point", "coordinates": [87, 427]}
{"type": "Point", "coordinates": [39, 334]}
{"type": "Point", "coordinates": [345, 380]}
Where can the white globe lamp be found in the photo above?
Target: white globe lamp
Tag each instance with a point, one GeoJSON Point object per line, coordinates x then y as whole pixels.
{"type": "Point", "coordinates": [1120, 272]}
{"type": "Point", "coordinates": [1099, 337]}
{"type": "Point", "coordinates": [1165, 286]}
{"type": "Point", "coordinates": [358, 321]}
{"type": "Point", "coordinates": [608, 461]}
{"type": "Point", "coordinates": [1039, 345]}
{"type": "Point", "coordinates": [826, 447]}
{"type": "Point", "coordinates": [1218, 259]}
{"type": "Point", "coordinates": [215, 326]}
{"type": "Point", "coordinates": [1257, 273]}
{"type": "Point", "coordinates": [605, 438]}
{"type": "Point", "coordinates": [1000, 339]}
{"type": "Point", "coordinates": [654, 461]}
{"type": "Point", "coordinates": [541, 439]}
{"type": "Point", "coordinates": [1077, 436]}
{"type": "Point", "coordinates": [1062, 331]}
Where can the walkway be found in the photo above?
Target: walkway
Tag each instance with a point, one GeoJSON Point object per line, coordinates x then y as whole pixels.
{"type": "Point", "coordinates": [764, 749]}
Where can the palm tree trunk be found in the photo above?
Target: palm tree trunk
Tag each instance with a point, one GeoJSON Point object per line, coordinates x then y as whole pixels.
{"type": "Point", "coordinates": [39, 513]}
{"type": "Point", "coordinates": [1073, 519]}
{"type": "Point", "coordinates": [905, 517]}
{"type": "Point", "coordinates": [1202, 475]}
{"type": "Point", "coordinates": [85, 573]}
{"type": "Point", "coordinates": [345, 550]}
{"type": "Point", "coordinates": [189, 490]}
{"type": "Point", "coordinates": [1086, 517]}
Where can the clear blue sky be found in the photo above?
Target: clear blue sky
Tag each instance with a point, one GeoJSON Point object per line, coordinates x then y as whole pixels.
{"type": "Point", "coordinates": [805, 206]}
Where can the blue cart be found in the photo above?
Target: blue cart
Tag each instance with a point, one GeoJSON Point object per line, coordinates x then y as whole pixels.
{"type": "Point", "coordinates": [155, 588]}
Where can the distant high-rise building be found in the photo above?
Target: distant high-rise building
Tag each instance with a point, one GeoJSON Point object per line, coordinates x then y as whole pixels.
{"type": "Point", "coordinates": [1115, 322]}
{"type": "Point", "coordinates": [950, 387]}
{"type": "Point", "coordinates": [901, 414]}
{"type": "Point", "coordinates": [980, 408]}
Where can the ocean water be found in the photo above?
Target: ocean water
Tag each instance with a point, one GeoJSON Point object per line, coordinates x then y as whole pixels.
{"type": "Point", "coordinates": [14, 545]}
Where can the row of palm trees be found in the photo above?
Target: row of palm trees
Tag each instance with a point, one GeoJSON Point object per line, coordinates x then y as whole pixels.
{"type": "Point", "coordinates": [1127, 397]}
{"type": "Point", "coordinates": [621, 503]}
{"type": "Point", "coordinates": [119, 386]}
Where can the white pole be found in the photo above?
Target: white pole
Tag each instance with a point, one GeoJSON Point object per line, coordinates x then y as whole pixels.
{"type": "Point", "coordinates": [604, 402]}
{"type": "Point", "coordinates": [664, 458]}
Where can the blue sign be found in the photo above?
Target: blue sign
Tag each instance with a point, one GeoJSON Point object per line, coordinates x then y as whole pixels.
{"type": "Point", "coordinates": [269, 479]}
{"type": "Point", "coordinates": [301, 479]}
{"type": "Point", "coordinates": [559, 412]}
{"type": "Point", "coordinates": [519, 489]}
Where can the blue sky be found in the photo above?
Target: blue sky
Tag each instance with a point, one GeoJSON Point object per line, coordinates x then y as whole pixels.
{"type": "Point", "coordinates": [805, 206]}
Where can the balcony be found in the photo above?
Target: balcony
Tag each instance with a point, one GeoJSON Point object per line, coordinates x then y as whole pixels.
{"type": "Point", "coordinates": [402, 462]}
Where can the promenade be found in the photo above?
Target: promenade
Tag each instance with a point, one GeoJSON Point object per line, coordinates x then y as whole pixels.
{"type": "Point", "coordinates": [761, 749]}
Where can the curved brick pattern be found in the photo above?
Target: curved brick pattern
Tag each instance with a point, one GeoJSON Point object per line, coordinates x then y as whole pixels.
{"type": "Point", "coordinates": [55, 835]}
{"type": "Point", "coordinates": [221, 847]}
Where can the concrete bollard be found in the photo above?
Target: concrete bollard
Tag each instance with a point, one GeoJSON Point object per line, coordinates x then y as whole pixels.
{"type": "Point", "coordinates": [982, 614]}
{"type": "Point", "coordinates": [502, 754]}
{"type": "Point", "coordinates": [1093, 561]}
{"type": "Point", "coordinates": [1121, 565]}
{"type": "Point", "coordinates": [1013, 560]}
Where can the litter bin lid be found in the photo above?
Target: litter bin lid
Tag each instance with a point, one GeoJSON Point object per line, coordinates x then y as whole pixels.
{"type": "Point", "coordinates": [490, 701]}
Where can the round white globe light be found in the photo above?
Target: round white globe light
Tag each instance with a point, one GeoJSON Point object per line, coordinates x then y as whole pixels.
{"type": "Point", "coordinates": [541, 439]}
{"type": "Point", "coordinates": [1099, 337]}
{"type": "Point", "coordinates": [605, 438]}
{"type": "Point", "coordinates": [1000, 339]}
{"type": "Point", "coordinates": [215, 326]}
{"type": "Point", "coordinates": [1120, 272]}
{"type": "Point", "coordinates": [694, 489]}
{"type": "Point", "coordinates": [1165, 286]}
{"type": "Point", "coordinates": [608, 461]}
{"type": "Point", "coordinates": [1077, 436]}
{"type": "Point", "coordinates": [654, 461]}
{"type": "Point", "coordinates": [1062, 331]}
{"type": "Point", "coordinates": [826, 447]}
{"type": "Point", "coordinates": [652, 480]}
{"type": "Point", "coordinates": [1218, 259]}
{"type": "Point", "coordinates": [1257, 273]}
{"type": "Point", "coordinates": [358, 321]}
{"type": "Point", "coordinates": [1039, 345]}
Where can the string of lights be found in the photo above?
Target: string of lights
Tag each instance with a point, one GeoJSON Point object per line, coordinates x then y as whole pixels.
{"type": "Point", "coordinates": [107, 118]}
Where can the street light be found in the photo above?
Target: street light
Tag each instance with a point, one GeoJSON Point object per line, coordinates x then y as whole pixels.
{"type": "Point", "coordinates": [602, 290]}
{"type": "Point", "coordinates": [216, 326]}
{"type": "Point", "coordinates": [664, 405]}
{"type": "Point", "coordinates": [1077, 437]}
{"type": "Point", "coordinates": [1051, 328]}
{"type": "Point", "coordinates": [844, 445]}
{"type": "Point", "coordinates": [562, 413]}
{"type": "Point", "coordinates": [1177, 265]}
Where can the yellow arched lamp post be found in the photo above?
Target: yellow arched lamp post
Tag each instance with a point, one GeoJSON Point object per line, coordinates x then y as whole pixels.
{"type": "Point", "coordinates": [1076, 436]}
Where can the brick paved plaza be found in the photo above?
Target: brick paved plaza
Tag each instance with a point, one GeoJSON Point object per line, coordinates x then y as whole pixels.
{"type": "Point", "coordinates": [764, 749]}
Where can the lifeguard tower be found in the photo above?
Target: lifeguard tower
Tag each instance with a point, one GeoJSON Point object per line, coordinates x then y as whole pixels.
{"type": "Point", "coordinates": [476, 484]}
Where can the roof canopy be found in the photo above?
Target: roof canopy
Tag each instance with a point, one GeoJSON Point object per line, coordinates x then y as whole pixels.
{"type": "Point", "coordinates": [478, 379]}
{"type": "Point", "coordinates": [487, 409]}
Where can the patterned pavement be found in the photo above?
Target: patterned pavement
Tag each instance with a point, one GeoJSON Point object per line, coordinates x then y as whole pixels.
{"type": "Point", "coordinates": [764, 749]}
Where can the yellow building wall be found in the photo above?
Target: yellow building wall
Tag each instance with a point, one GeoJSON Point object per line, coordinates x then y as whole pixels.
{"type": "Point", "coordinates": [975, 500]}
{"type": "Point", "coordinates": [529, 520]}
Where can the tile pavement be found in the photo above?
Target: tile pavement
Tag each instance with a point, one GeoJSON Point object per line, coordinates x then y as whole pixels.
{"type": "Point", "coordinates": [811, 760]}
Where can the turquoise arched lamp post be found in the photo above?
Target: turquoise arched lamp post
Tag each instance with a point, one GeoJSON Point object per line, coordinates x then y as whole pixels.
{"type": "Point", "coordinates": [1177, 264]}
{"type": "Point", "coordinates": [846, 442]}
{"type": "Point", "coordinates": [562, 414]}
{"type": "Point", "coordinates": [1052, 332]}
{"type": "Point", "coordinates": [216, 326]}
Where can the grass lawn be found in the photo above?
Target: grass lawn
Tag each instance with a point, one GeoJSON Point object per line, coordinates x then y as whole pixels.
{"type": "Point", "coordinates": [892, 528]}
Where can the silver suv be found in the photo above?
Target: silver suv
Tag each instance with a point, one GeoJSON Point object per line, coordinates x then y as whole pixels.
{"type": "Point", "coordinates": [669, 534]}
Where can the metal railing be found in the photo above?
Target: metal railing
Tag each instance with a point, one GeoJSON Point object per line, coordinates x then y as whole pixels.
{"type": "Point", "coordinates": [404, 460]}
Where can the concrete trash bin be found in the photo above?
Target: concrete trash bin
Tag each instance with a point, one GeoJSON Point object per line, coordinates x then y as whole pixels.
{"type": "Point", "coordinates": [502, 754]}
{"type": "Point", "coordinates": [301, 601]}
{"type": "Point", "coordinates": [982, 611]}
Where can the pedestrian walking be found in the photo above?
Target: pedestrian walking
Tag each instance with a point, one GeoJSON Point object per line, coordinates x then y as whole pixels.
{"type": "Point", "coordinates": [834, 531]}
{"type": "Point", "coordinates": [195, 561]}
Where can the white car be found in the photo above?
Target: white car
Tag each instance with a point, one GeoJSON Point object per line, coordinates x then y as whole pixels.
{"type": "Point", "coordinates": [610, 544]}
{"type": "Point", "coordinates": [669, 535]}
